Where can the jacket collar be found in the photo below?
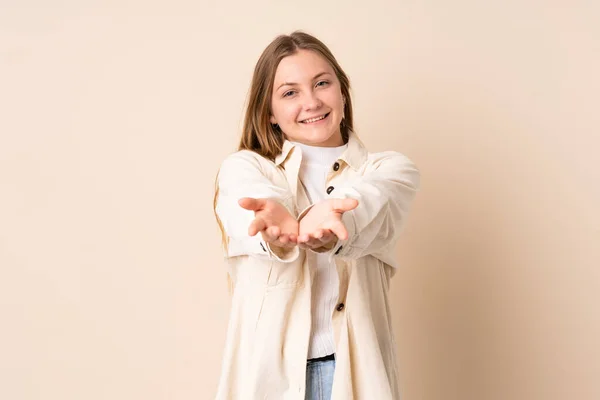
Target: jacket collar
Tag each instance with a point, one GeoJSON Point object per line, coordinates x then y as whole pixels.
{"type": "Point", "coordinates": [355, 155]}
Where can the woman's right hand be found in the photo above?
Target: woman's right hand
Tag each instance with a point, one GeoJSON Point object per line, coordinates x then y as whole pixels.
{"type": "Point", "coordinates": [276, 225]}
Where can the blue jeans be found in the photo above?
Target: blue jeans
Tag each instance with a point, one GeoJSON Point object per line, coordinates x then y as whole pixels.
{"type": "Point", "coordinates": [319, 379]}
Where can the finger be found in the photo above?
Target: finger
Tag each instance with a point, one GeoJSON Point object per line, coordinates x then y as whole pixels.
{"type": "Point", "coordinates": [267, 237]}
{"type": "Point", "coordinates": [309, 245]}
{"type": "Point", "coordinates": [252, 204]}
{"type": "Point", "coordinates": [283, 239]}
{"type": "Point", "coordinates": [330, 242]}
{"type": "Point", "coordinates": [303, 238]}
{"type": "Point", "coordinates": [257, 225]}
{"type": "Point", "coordinates": [327, 237]}
{"type": "Point", "coordinates": [269, 234]}
{"type": "Point", "coordinates": [314, 242]}
{"type": "Point", "coordinates": [292, 238]}
{"type": "Point", "coordinates": [343, 205]}
{"type": "Point", "coordinates": [339, 230]}
{"type": "Point", "coordinates": [273, 231]}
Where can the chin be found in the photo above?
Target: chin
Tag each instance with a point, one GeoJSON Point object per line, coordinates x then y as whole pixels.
{"type": "Point", "coordinates": [315, 136]}
{"type": "Point", "coordinates": [321, 139]}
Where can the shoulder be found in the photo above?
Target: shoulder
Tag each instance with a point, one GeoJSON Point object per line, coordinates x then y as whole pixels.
{"type": "Point", "coordinates": [389, 159]}
{"type": "Point", "coordinates": [247, 156]}
{"type": "Point", "coordinates": [245, 164]}
{"type": "Point", "coordinates": [393, 166]}
{"type": "Point", "coordinates": [245, 159]}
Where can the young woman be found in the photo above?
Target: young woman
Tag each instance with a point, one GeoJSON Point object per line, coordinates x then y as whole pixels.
{"type": "Point", "coordinates": [310, 220]}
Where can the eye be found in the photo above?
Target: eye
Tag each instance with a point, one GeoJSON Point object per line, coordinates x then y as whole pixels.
{"type": "Point", "coordinates": [289, 93]}
{"type": "Point", "coordinates": [322, 83]}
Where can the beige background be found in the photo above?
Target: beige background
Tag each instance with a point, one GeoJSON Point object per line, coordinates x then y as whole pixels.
{"type": "Point", "coordinates": [115, 117]}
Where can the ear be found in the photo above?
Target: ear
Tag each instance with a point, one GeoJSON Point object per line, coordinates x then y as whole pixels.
{"type": "Point", "coordinates": [273, 120]}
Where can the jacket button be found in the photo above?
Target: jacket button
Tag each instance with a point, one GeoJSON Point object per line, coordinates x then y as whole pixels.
{"type": "Point", "coordinates": [340, 307]}
{"type": "Point", "coordinates": [329, 189]}
{"type": "Point", "coordinates": [336, 166]}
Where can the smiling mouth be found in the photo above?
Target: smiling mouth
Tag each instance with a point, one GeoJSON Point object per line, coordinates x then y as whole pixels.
{"type": "Point", "coordinates": [316, 119]}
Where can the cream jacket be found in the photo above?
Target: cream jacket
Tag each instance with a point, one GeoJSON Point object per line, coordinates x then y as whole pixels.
{"type": "Point", "coordinates": [269, 327]}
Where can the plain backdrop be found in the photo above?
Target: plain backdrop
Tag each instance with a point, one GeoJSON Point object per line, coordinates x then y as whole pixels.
{"type": "Point", "coordinates": [115, 116]}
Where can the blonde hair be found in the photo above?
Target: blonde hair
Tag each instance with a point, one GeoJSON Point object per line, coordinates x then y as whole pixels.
{"type": "Point", "coordinates": [258, 134]}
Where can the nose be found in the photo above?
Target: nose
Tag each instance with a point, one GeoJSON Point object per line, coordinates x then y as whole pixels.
{"type": "Point", "coordinates": [312, 102]}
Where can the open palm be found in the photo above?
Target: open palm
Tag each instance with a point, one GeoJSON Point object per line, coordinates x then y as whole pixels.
{"type": "Point", "coordinates": [276, 225]}
{"type": "Point", "coordinates": [322, 226]}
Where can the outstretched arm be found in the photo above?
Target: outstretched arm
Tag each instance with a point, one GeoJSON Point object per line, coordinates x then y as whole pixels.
{"type": "Point", "coordinates": [249, 203]}
{"type": "Point", "coordinates": [384, 194]}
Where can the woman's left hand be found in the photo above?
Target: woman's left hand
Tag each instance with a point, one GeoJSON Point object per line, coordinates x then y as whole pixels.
{"type": "Point", "coordinates": [322, 225]}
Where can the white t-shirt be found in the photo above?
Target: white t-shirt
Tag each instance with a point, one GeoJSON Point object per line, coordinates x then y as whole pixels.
{"type": "Point", "coordinates": [317, 162]}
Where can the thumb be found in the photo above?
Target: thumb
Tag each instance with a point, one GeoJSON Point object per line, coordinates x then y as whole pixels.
{"type": "Point", "coordinates": [252, 204]}
{"type": "Point", "coordinates": [343, 205]}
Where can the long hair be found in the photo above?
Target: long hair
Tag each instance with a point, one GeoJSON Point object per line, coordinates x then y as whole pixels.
{"type": "Point", "coordinates": [258, 134]}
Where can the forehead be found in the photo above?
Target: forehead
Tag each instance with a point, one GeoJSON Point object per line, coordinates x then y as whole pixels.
{"type": "Point", "coordinates": [301, 66]}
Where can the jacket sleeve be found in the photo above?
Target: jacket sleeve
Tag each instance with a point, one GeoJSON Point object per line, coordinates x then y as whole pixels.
{"type": "Point", "coordinates": [241, 175]}
{"type": "Point", "coordinates": [385, 193]}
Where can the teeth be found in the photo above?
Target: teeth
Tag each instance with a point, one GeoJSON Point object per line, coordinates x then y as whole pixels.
{"type": "Point", "coordinates": [308, 121]}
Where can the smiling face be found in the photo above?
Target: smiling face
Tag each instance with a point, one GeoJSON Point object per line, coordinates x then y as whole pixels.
{"type": "Point", "coordinates": [307, 101]}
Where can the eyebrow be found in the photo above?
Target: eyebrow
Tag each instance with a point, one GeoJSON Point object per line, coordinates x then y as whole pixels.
{"type": "Point", "coordinates": [293, 83]}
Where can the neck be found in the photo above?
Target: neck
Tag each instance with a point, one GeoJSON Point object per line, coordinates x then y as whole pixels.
{"type": "Point", "coordinates": [321, 155]}
{"type": "Point", "coordinates": [335, 140]}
